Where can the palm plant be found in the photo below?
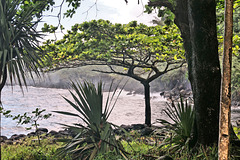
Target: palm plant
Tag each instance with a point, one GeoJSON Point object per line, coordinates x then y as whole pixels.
{"type": "Point", "coordinates": [18, 42]}
{"type": "Point", "coordinates": [97, 135]}
{"type": "Point", "coordinates": [181, 126]}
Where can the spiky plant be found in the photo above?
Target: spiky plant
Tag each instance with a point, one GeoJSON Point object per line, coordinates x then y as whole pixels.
{"type": "Point", "coordinates": [96, 135]}
{"type": "Point", "coordinates": [180, 126]}
{"type": "Point", "coordinates": [18, 42]}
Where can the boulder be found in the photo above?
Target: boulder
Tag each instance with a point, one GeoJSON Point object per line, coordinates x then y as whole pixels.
{"type": "Point", "coordinates": [13, 137]}
{"type": "Point", "coordinates": [17, 137]}
{"type": "Point", "coordinates": [146, 131]}
{"type": "Point", "coordinates": [138, 126]}
{"type": "Point", "coordinates": [182, 93]}
{"type": "Point", "coordinates": [53, 133]}
{"type": "Point", "coordinates": [238, 123]}
{"type": "Point", "coordinates": [21, 136]}
{"type": "Point", "coordinates": [63, 132]}
{"type": "Point", "coordinates": [118, 131]}
{"type": "Point", "coordinates": [31, 134]}
{"type": "Point", "coordinates": [161, 94]}
{"type": "Point", "coordinates": [45, 130]}
{"type": "Point", "coordinates": [3, 138]}
{"type": "Point", "coordinates": [8, 141]}
{"type": "Point", "coordinates": [126, 127]}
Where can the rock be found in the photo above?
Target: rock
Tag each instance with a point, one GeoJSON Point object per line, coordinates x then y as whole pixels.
{"type": "Point", "coordinates": [31, 134]}
{"type": "Point", "coordinates": [63, 132]}
{"type": "Point", "coordinates": [45, 130]}
{"type": "Point", "coordinates": [36, 140]}
{"type": "Point", "coordinates": [13, 137]}
{"type": "Point", "coordinates": [181, 87]}
{"type": "Point", "coordinates": [118, 131]}
{"type": "Point", "coordinates": [70, 132]}
{"type": "Point", "coordinates": [21, 136]}
{"type": "Point", "coordinates": [161, 94]}
{"type": "Point", "coordinates": [129, 93]}
{"type": "Point", "coordinates": [165, 158]}
{"type": "Point", "coordinates": [8, 141]}
{"type": "Point", "coordinates": [126, 127]}
{"type": "Point", "coordinates": [238, 123]}
{"type": "Point", "coordinates": [53, 133]}
{"type": "Point", "coordinates": [166, 94]}
{"type": "Point", "coordinates": [17, 137]}
{"type": "Point", "coordinates": [3, 138]}
{"type": "Point", "coordinates": [172, 93]}
{"type": "Point", "coordinates": [138, 126]}
{"type": "Point", "coordinates": [40, 133]}
{"type": "Point", "coordinates": [182, 93]}
{"type": "Point", "coordinates": [146, 131]}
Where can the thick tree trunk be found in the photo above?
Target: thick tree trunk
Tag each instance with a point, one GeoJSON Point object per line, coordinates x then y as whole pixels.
{"type": "Point", "coordinates": [197, 23]}
{"type": "Point", "coordinates": [225, 110]}
{"type": "Point", "coordinates": [205, 68]}
{"type": "Point", "coordinates": [147, 103]}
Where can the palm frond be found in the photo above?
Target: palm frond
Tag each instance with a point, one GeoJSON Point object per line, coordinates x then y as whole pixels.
{"type": "Point", "coordinates": [181, 128]}
{"type": "Point", "coordinates": [19, 42]}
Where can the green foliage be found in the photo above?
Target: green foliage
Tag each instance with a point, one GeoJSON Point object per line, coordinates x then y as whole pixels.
{"type": "Point", "coordinates": [235, 65]}
{"type": "Point", "coordinates": [138, 148]}
{"type": "Point", "coordinates": [237, 131]}
{"type": "Point", "coordinates": [109, 156]}
{"type": "Point", "coordinates": [28, 149]}
{"type": "Point", "coordinates": [18, 42]}
{"type": "Point", "coordinates": [6, 113]}
{"type": "Point", "coordinates": [96, 136]}
{"type": "Point", "coordinates": [181, 128]}
{"type": "Point", "coordinates": [165, 13]}
{"type": "Point", "coordinates": [37, 6]}
{"type": "Point", "coordinates": [117, 44]}
{"type": "Point", "coordinates": [33, 119]}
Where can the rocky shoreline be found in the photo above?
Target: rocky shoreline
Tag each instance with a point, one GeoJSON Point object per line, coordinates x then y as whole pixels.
{"type": "Point", "coordinates": [141, 129]}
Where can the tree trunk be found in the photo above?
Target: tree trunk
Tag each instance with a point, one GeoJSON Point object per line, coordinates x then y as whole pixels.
{"type": "Point", "coordinates": [147, 103]}
{"type": "Point", "coordinates": [225, 110]}
{"type": "Point", "coordinates": [205, 68]}
{"type": "Point", "coordinates": [3, 75]}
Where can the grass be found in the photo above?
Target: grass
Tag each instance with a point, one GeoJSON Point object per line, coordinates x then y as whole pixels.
{"type": "Point", "coordinates": [139, 148]}
{"type": "Point", "coordinates": [29, 149]}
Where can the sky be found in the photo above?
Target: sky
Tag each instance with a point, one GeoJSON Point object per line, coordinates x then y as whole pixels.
{"type": "Point", "coordinates": [117, 11]}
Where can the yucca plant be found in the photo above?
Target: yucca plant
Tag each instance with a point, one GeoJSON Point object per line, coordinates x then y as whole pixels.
{"type": "Point", "coordinates": [19, 42]}
{"type": "Point", "coordinates": [96, 135]}
{"type": "Point", "coordinates": [180, 126]}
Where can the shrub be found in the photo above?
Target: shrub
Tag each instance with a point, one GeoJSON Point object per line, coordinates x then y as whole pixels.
{"type": "Point", "coordinates": [181, 128]}
{"type": "Point", "coordinates": [96, 136]}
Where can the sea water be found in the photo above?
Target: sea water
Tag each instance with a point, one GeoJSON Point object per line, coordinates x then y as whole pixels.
{"type": "Point", "coordinates": [129, 109]}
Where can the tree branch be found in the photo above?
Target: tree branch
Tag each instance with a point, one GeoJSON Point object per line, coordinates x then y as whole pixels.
{"type": "Point", "coordinates": [164, 3]}
{"type": "Point", "coordinates": [130, 73]}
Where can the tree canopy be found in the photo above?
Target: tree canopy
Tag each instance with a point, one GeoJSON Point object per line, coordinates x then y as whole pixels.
{"type": "Point", "coordinates": [117, 44]}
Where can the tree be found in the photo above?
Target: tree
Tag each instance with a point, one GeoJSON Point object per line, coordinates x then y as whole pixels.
{"type": "Point", "coordinates": [140, 52]}
{"type": "Point", "coordinates": [19, 40]}
{"type": "Point", "coordinates": [225, 110]}
{"type": "Point", "coordinates": [197, 23]}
